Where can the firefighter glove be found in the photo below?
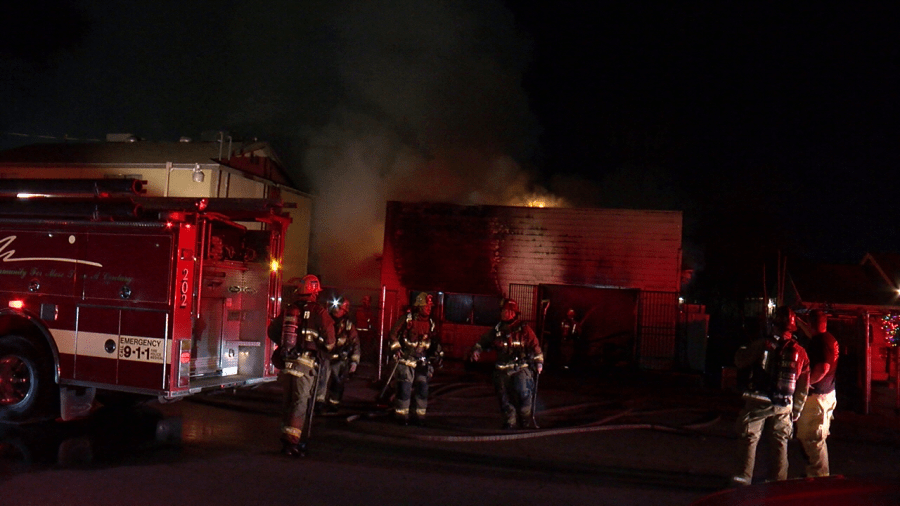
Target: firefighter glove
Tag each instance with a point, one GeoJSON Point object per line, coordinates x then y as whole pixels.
{"type": "Point", "coordinates": [352, 367]}
{"type": "Point", "coordinates": [475, 355]}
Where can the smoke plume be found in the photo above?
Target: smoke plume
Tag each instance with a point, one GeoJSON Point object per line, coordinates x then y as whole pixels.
{"type": "Point", "coordinates": [430, 108]}
{"type": "Point", "coordinates": [364, 101]}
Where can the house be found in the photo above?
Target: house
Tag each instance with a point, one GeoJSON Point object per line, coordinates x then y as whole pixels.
{"type": "Point", "coordinates": [863, 304]}
{"type": "Point", "coordinates": [210, 168]}
{"type": "Point", "coordinates": [620, 270]}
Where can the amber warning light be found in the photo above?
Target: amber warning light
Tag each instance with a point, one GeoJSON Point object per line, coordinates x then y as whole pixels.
{"type": "Point", "coordinates": [17, 304]}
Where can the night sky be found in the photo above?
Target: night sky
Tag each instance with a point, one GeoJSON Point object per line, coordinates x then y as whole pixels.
{"type": "Point", "coordinates": [772, 126]}
{"type": "Point", "coordinates": [786, 113]}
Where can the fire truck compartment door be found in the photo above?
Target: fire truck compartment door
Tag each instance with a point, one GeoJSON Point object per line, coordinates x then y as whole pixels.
{"type": "Point", "coordinates": [135, 267]}
{"type": "Point", "coordinates": [219, 321]}
{"type": "Point", "coordinates": [41, 262]}
{"type": "Point", "coordinates": [123, 347]}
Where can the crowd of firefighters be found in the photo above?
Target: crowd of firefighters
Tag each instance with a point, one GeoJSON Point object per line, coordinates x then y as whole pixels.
{"type": "Point", "coordinates": [319, 348]}
{"type": "Point", "coordinates": [790, 390]}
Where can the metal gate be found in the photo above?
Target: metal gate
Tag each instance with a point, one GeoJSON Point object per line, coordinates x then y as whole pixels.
{"type": "Point", "coordinates": [526, 296]}
{"type": "Point", "coordinates": [657, 330]}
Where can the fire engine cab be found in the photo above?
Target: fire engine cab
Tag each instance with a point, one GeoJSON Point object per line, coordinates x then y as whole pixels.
{"type": "Point", "coordinates": [106, 293]}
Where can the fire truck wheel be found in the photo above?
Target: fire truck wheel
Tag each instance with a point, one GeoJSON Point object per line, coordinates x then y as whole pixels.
{"type": "Point", "coordinates": [26, 385]}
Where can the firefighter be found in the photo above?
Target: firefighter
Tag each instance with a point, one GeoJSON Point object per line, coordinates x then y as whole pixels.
{"type": "Point", "coordinates": [342, 361]}
{"type": "Point", "coordinates": [779, 380]}
{"type": "Point", "coordinates": [416, 348]}
{"type": "Point", "coordinates": [519, 362]}
{"type": "Point", "coordinates": [307, 334]}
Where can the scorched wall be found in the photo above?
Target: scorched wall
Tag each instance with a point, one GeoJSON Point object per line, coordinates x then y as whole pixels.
{"type": "Point", "coordinates": [484, 249]}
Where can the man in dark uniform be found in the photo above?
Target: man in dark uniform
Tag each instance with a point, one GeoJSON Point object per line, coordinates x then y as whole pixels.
{"type": "Point", "coordinates": [416, 348]}
{"type": "Point", "coordinates": [779, 381]}
{"type": "Point", "coordinates": [307, 333]}
{"type": "Point", "coordinates": [519, 361]}
{"type": "Point", "coordinates": [569, 334]}
{"type": "Point", "coordinates": [342, 360]}
{"type": "Point", "coordinates": [815, 419]}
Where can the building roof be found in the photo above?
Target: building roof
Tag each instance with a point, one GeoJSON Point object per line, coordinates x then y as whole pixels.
{"type": "Point", "coordinates": [862, 284]}
{"type": "Point", "coordinates": [887, 264]}
{"type": "Point", "coordinates": [257, 159]}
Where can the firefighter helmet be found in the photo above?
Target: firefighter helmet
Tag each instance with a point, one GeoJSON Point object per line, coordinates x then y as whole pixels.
{"type": "Point", "coordinates": [509, 304]}
{"type": "Point", "coordinates": [340, 304]}
{"type": "Point", "coordinates": [785, 319]}
{"type": "Point", "coordinates": [424, 299]}
{"type": "Point", "coordinates": [308, 285]}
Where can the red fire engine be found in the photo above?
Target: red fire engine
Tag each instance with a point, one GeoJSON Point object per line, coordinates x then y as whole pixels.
{"type": "Point", "coordinates": [107, 293]}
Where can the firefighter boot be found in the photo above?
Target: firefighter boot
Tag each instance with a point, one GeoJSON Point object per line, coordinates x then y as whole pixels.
{"type": "Point", "coordinates": [295, 450]}
{"type": "Point", "coordinates": [293, 447]}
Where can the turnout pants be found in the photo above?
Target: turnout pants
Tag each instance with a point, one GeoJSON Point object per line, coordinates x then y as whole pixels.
{"type": "Point", "coordinates": [412, 387]}
{"type": "Point", "coordinates": [515, 389]}
{"type": "Point", "coordinates": [331, 384]}
{"type": "Point", "coordinates": [751, 422]}
{"type": "Point", "coordinates": [297, 380]}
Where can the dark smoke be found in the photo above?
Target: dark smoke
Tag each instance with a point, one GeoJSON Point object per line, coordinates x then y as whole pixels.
{"type": "Point", "coordinates": [365, 101]}
{"type": "Point", "coordinates": [412, 101]}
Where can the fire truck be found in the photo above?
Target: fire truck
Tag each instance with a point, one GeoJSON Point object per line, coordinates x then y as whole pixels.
{"type": "Point", "coordinates": [106, 294]}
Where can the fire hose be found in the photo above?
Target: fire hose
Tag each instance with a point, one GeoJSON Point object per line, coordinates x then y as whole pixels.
{"type": "Point", "coordinates": [688, 429]}
{"type": "Point", "coordinates": [596, 426]}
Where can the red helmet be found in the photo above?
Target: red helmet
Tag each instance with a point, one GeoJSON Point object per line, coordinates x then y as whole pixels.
{"type": "Point", "coordinates": [308, 285]}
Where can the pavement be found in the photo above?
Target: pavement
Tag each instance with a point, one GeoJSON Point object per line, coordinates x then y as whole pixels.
{"type": "Point", "coordinates": [632, 428]}
{"type": "Point", "coordinates": [620, 437]}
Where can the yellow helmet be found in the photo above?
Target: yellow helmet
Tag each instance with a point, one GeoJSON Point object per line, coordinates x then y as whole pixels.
{"type": "Point", "coordinates": [424, 299]}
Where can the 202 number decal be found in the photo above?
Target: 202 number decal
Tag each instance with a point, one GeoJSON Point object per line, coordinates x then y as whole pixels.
{"type": "Point", "coordinates": [185, 287]}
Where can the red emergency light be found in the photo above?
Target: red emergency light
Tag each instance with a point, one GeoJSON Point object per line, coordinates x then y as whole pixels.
{"type": "Point", "coordinates": [17, 304]}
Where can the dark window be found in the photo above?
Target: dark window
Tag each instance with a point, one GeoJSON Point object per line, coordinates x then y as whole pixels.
{"type": "Point", "coordinates": [472, 309]}
{"type": "Point", "coordinates": [486, 311]}
{"type": "Point", "coordinates": [457, 308]}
